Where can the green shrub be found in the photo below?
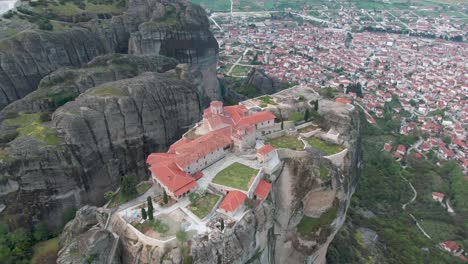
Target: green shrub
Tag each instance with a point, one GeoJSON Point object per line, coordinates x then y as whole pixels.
{"type": "Point", "coordinates": [3, 180]}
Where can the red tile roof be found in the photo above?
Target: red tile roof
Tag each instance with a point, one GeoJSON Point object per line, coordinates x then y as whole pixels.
{"type": "Point", "coordinates": [233, 200]}
{"type": "Point", "coordinates": [256, 118]}
{"type": "Point", "coordinates": [263, 189]}
{"type": "Point", "coordinates": [452, 245]}
{"type": "Point", "coordinates": [202, 146]}
{"type": "Point", "coordinates": [343, 100]}
{"type": "Point", "coordinates": [265, 149]}
{"type": "Point", "coordinates": [172, 177]}
{"type": "Point", "coordinates": [438, 195]}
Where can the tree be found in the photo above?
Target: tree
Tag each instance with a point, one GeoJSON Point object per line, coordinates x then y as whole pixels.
{"type": "Point", "coordinates": [316, 105]}
{"type": "Point", "coordinates": [150, 208]}
{"type": "Point", "coordinates": [182, 236]}
{"type": "Point", "coordinates": [143, 214]}
{"type": "Point", "coordinates": [129, 186]}
{"type": "Point", "coordinates": [165, 198]}
{"type": "Point", "coordinates": [447, 140]}
{"type": "Point", "coordinates": [306, 115]}
{"type": "Point", "coordinates": [222, 224]}
{"type": "Point", "coordinates": [41, 232]}
{"type": "Point", "coordinates": [109, 195]}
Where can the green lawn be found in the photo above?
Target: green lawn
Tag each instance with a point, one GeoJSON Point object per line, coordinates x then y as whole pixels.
{"type": "Point", "coordinates": [286, 142]}
{"type": "Point", "coordinates": [31, 125]}
{"type": "Point", "coordinates": [120, 199]}
{"type": "Point", "coordinates": [267, 100]}
{"type": "Point", "coordinates": [108, 90]}
{"type": "Point", "coordinates": [308, 225]}
{"type": "Point", "coordinates": [236, 176]}
{"type": "Point", "coordinates": [203, 206]}
{"type": "Point", "coordinates": [324, 173]}
{"type": "Point", "coordinates": [323, 146]}
{"type": "Point", "coordinates": [156, 224]}
{"type": "Point", "coordinates": [240, 70]}
{"type": "Point", "coordinates": [296, 116]}
{"type": "Point", "coordinates": [45, 252]}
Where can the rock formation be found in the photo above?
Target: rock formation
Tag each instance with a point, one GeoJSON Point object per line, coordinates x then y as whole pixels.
{"type": "Point", "coordinates": [306, 210]}
{"type": "Point", "coordinates": [78, 112]}
{"type": "Point", "coordinates": [105, 133]}
{"type": "Point", "coordinates": [263, 83]}
{"type": "Point", "coordinates": [176, 29]}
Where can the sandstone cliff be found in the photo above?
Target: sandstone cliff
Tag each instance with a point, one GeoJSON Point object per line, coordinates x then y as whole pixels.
{"type": "Point", "coordinates": [91, 142]}
{"type": "Point", "coordinates": [78, 112]}
{"type": "Point", "coordinates": [176, 29]}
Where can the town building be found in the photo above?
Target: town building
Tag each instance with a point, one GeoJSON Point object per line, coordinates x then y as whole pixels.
{"type": "Point", "coordinates": [437, 196]}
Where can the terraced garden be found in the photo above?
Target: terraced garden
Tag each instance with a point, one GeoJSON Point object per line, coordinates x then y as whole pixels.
{"type": "Point", "coordinates": [286, 142]}
{"type": "Point", "coordinates": [202, 206]}
{"type": "Point", "coordinates": [325, 147]}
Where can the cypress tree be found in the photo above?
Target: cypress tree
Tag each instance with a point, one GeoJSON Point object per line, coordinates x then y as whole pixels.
{"type": "Point", "coordinates": [306, 115]}
{"type": "Point", "coordinates": [165, 198]}
{"type": "Point", "coordinates": [143, 214]}
{"type": "Point", "coordinates": [222, 224]}
{"type": "Point", "coordinates": [316, 105]}
{"type": "Point", "coordinates": [150, 202]}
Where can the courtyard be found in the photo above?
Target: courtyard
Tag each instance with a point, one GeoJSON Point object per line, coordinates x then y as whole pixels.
{"type": "Point", "coordinates": [236, 176]}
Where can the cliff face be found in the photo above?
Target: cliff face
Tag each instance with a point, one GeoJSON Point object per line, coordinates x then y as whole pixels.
{"type": "Point", "coordinates": [104, 134]}
{"type": "Point", "coordinates": [183, 31]}
{"type": "Point", "coordinates": [78, 112]}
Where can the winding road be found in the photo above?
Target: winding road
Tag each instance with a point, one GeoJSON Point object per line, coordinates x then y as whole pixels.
{"type": "Point", "coordinates": [409, 202]}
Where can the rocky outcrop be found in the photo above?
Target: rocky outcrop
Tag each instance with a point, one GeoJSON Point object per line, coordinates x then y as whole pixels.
{"type": "Point", "coordinates": [105, 133]}
{"type": "Point", "coordinates": [182, 30]}
{"type": "Point", "coordinates": [65, 85]}
{"type": "Point", "coordinates": [85, 240]}
{"type": "Point", "coordinates": [29, 56]}
{"type": "Point", "coordinates": [263, 83]}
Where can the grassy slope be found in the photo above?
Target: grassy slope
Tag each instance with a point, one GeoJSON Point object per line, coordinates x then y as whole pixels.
{"type": "Point", "coordinates": [31, 125]}
{"type": "Point", "coordinates": [45, 252]}
{"type": "Point", "coordinates": [382, 191]}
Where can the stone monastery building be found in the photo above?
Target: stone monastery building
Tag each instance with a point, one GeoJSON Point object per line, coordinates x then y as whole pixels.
{"type": "Point", "coordinates": [223, 129]}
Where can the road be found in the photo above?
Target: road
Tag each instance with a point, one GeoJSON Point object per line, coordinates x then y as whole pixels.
{"type": "Point", "coordinates": [410, 201]}
{"type": "Point", "coordinates": [236, 14]}
{"type": "Point", "coordinates": [406, 25]}
{"type": "Point", "coordinates": [314, 18]}
{"type": "Point", "coordinates": [216, 24]}
{"type": "Point", "coordinates": [237, 63]}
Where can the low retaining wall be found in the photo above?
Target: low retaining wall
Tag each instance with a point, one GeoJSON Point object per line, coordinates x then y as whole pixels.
{"type": "Point", "coordinates": [311, 133]}
{"type": "Point", "coordinates": [338, 158]}
{"type": "Point", "coordinates": [304, 125]}
{"type": "Point", "coordinates": [289, 153]}
{"type": "Point", "coordinates": [171, 242]}
{"type": "Point", "coordinates": [275, 134]}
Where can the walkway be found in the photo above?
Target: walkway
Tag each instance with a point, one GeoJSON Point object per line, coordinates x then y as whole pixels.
{"type": "Point", "coordinates": [153, 191]}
